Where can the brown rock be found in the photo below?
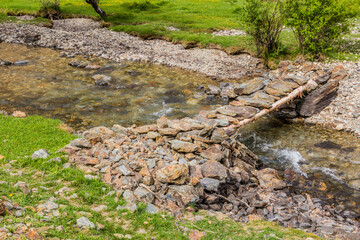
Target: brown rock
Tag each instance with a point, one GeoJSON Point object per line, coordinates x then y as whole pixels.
{"type": "Point", "coordinates": [85, 160]}
{"type": "Point", "coordinates": [213, 169]}
{"type": "Point", "coordinates": [219, 135]}
{"type": "Point", "coordinates": [318, 99]}
{"type": "Point", "coordinates": [162, 122]}
{"type": "Point", "coordinates": [213, 153]}
{"type": "Point", "coordinates": [102, 132]}
{"type": "Point", "coordinates": [196, 235]}
{"type": "Point", "coordinates": [339, 73]}
{"type": "Point", "coordinates": [195, 171]}
{"type": "Point", "coordinates": [33, 235]}
{"type": "Point", "coordinates": [250, 87]}
{"type": "Point", "coordinates": [182, 146]}
{"type": "Point", "coordinates": [279, 88]}
{"type": "Point", "coordinates": [269, 179]}
{"type": "Point", "coordinates": [250, 101]}
{"type": "Point", "coordinates": [19, 114]}
{"type": "Point", "coordinates": [228, 92]}
{"type": "Point", "coordinates": [168, 131]}
{"type": "Point", "coordinates": [307, 67]}
{"type": "Point", "coordinates": [145, 129]}
{"type": "Point", "coordinates": [187, 194]}
{"type": "Point", "coordinates": [2, 208]}
{"type": "Point", "coordinates": [125, 182]}
{"type": "Point", "coordinates": [176, 174]}
{"type": "Point", "coordinates": [186, 124]}
{"type": "Point", "coordinates": [239, 112]}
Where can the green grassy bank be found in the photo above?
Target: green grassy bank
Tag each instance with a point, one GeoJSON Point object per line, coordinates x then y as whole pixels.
{"type": "Point", "coordinates": [21, 137]}
{"type": "Point", "coordinates": [195, 19]}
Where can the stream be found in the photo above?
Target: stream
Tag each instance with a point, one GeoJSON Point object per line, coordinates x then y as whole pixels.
{"type": "Point", "coordinates": [313, 159]}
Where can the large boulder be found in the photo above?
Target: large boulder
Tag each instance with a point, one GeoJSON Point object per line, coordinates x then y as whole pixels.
{"type": "Point", "coordinates": [175, 174]}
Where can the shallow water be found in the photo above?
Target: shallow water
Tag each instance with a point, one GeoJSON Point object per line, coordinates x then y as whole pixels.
{"type": "Point", "coordinates": [314, 159]}
{"type": "Point", "coordinates": [322, 162]}
{"type": "Point", "coordinates": [140, 93]}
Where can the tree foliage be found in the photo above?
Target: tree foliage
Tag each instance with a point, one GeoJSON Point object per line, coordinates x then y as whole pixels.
{"type": "Point", "coordinates": [318, 23]}
{"type": "Point", "coordinates": [264, 23]}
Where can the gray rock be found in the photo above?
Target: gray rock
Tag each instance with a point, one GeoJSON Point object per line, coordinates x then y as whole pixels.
{"type": "Point", "coordinates": [219, 135]}
{"type": "Point", "coordinates": [214, 90]}
{"type": "Point", "coordinates": [101, 80]}
{"type": "Point", "coordinates": [131, 207]}
{"type": "Point", "coordinates": [125, 170]}
{"type": "Point", "coordinates": [48, 206]}
{"type": "Point", "coordinates": [210, 184]}
{"type": "Point", "coordinates": [84, 223]}
{"type": "Point", "coordinates": [214, 169]}
{"type": "Point", "coordinates": [251, 86]}
{"type": "Point", "coordinates": [187, 194]}
{"type": "Point", "coordinates": [144, 195]}
{"type": "Point", "coordinates": [80, 143]}
{"type": "Point", "coordinates": [42, 153]}
{"type": "Point", "coordinates": [129, 196]}
{"type": "Point", "coordinates": [151, 208]}
{"type": "Point", "coordinates": [151, 163]}
{"type": "Point", "coordinates": [21, 63]}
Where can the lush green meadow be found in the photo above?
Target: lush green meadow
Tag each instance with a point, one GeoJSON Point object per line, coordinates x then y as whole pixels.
{"type": "Point", "coordinates": [195, 19]}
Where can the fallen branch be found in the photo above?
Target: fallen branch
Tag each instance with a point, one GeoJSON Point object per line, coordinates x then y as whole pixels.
{"type": "Point", "coordinates": [294, 94]}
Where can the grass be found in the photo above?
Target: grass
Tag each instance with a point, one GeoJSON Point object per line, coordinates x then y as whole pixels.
{"type": "Point", "coordinates": [20, 137]}
{"type": "Point", "coordinates": [195, 19]}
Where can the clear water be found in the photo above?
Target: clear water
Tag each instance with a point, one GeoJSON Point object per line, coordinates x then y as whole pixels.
{"type": "Point", "coordinates": [314, 159]}
{"type": "Point", "coordinates": [140, 93]}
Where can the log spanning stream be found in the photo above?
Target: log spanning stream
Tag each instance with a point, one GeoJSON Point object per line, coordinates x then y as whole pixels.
{"type": "Point", "coordinates": [322, 162]}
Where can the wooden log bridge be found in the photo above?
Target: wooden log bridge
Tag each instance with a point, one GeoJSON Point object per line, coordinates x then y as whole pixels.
{"type": "Point", "coordinates": [284, 93]}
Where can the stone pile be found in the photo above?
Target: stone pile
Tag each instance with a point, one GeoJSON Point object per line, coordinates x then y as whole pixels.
{"type": "Point", "coordinates": [176, 164]}
{"type": "Point", "coordinates": [171, 164]}
{"type": "Point", "coordinates": [261, 92]}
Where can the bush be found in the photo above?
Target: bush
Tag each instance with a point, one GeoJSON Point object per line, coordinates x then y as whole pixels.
{"type": "Point", "coordinates": [264, 23]}
{"type": "Point", "coordinates": [318, 23]}
{"type": "Point", "coordinates": [50, 9]}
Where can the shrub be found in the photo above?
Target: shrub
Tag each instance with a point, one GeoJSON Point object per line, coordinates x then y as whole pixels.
{"type": "Point", "coordinates": [50, 9]}
{"type": "Point", "coordinates": [318, 23]}
{"type": "Point", "coordinates": [264, 23]}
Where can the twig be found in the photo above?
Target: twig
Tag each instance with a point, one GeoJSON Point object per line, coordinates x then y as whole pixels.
{"type": "Point", "coordinates": [147, 188]}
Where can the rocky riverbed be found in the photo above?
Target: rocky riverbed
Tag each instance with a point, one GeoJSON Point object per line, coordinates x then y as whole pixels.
{"type": "Point", "coordinates": [344, 112]}
{"type": "Point", "coordinates": [121, 46]}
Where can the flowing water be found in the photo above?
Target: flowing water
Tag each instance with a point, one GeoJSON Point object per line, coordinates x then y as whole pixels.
{"type": "Point", "coordinates": [313, 159]}
{"type": "Point", "coordinates": [139, 93]}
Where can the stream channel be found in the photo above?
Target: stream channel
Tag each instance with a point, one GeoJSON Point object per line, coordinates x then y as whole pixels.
{"type": "Point", "coordinates": [312, 159]}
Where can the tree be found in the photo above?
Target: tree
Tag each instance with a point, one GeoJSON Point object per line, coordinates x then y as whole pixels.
{"type": "Point", "coordinates": [95, 5]}
{"type": "Point", "coordinates": [264, 23]}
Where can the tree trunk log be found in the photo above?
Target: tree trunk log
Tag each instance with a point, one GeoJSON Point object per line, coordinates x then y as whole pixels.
{"type": "Point", "coordinates": [296, 93]}
{"type": "Point", "coordinates": [94, 4]}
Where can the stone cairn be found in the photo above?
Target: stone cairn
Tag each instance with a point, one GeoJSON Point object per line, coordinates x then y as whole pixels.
{"type": "Point", "coordinates": [198, 162]}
